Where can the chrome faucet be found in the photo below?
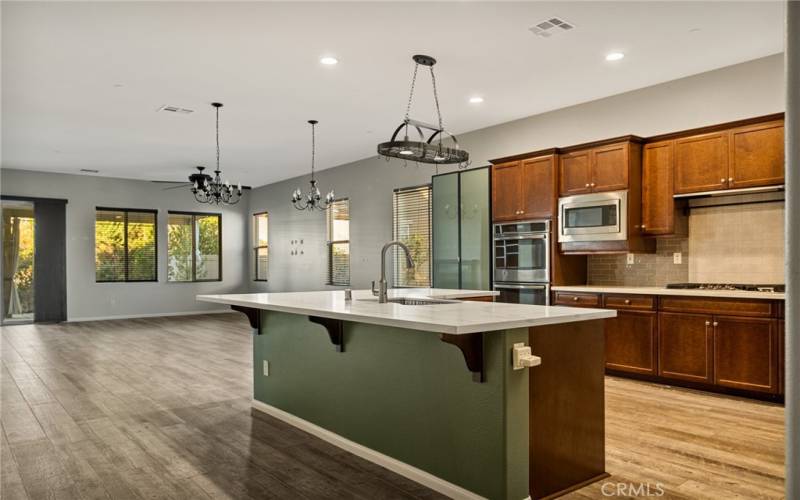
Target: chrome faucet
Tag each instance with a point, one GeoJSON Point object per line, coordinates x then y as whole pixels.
{"type": "Point", "coordinates": [382, 292]}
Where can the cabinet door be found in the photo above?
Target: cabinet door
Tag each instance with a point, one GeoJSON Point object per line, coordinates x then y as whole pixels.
{"type": "Point", "coordinates": [658, 206]}
{"type": "Point", "coordinates": [685, 344]}
{"type": "Point", "coordinates": [746, 353]}
{"type": "Point", "coordinates": [538, 187]}
{"type": "Point", "coordinates": [757, 155]}
{"type": "Point", "coordinates": [444, 215]}
{"type": "Point", "coordinates": [631, 342]}
{"type": "Point", "coordinates": [781, 356]}
{"type": "Point", "coordinates": [610, 168]}
{"type": "Point", "coordinates": [575, 172]}
{"type": "Point", "coordinates": [475, 233]}
{"type": "Point", "coordinates": [701, 163]}
{"type": "Point", "coordinates": [506, 188]}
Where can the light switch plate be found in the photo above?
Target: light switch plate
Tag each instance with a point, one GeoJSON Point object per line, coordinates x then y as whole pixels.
{"type": "Point", "coordinates": [266, 368]}
{"type": "Point", "coordinates": [631, 259]}
{"type": "Point", "coordinates": [677, 258]}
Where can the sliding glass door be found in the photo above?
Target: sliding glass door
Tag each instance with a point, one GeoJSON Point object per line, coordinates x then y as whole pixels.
{"type": "Point", "coordinates": [18, 235]}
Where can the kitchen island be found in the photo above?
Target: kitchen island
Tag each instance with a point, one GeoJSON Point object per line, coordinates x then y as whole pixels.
{"type": "Point", "coordinates": [427, 388]}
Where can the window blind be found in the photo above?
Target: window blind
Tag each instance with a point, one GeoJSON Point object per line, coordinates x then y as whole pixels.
{"type": "Point", "coordinates": [411, 224]}
{"type": "Point", "coordinates": [125, 245]}
{"type": "Point", "coordinates": [339, 242]}
{"type": "Point", "coordinates": [261, 245]}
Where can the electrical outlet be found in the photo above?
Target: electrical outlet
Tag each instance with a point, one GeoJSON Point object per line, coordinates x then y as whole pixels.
{"type": "Point", "coordinates": [631, 259]}
{"type": "Point", "coordinates": [266, 368]}
{"type": "Point", "coordinates": [677, 258]}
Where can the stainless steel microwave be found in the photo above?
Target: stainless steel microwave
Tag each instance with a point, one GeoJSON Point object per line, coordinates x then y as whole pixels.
{"type": "Point", "coordinates": [593, 217]}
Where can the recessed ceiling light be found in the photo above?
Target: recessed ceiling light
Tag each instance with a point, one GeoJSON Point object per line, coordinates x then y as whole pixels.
{"type": "Point", "coordinates": [328, 60]}
{"type": "Point", "coordinates": [476, 99]}
{"type": "Point", "coordinates": [614, 56]}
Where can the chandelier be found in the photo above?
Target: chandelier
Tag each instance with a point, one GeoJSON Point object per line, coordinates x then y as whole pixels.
{"type": "Point", "coordinates": [313, 199]}
{"type": "Point", "coordinates": [430, 150]}
{"type": "Point", "coordinates": [214, 190]}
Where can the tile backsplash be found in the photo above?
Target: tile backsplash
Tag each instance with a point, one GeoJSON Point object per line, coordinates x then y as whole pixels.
{"type": "Point", "coordinates": [726, 244]}
{"type": "Point", "coordinates": [737, 244]}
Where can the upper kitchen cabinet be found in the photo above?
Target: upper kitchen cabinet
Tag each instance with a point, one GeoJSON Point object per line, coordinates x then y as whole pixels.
{"type": "Point", "coordinates": [731, 157]}
{"type": "Point", "coordinates": [604, 167]}
{"type": "Point", "coordinates": [756, 155]}
{"type": "Point", "coordinates": [524, 187]}
{"type": "Point", "coordinates": [661, 215]}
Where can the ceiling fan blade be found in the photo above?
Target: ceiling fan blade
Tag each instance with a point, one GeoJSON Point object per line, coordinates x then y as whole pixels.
{"type": "Point", "coordinates": [169, 182]}
{"type": "Point", "coordinates": [185, 184]}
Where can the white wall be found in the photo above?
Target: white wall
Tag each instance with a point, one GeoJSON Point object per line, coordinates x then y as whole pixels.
{"type": "Point", "coordinates": [87, 299]}
{"type": "Point", "coordinates": [742, 91]}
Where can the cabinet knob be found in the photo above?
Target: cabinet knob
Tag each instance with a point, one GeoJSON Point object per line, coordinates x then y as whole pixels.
{"type": "Point", "coordinates": [708, 323]}
{"type": "Point", "coordinates": [575, 299]}
{"type": "Point", "coordinates": [593, 184]}
{"type": "Point", "coordinates": [716, 323]}
{"type": "Point", "coordinates": [587, 184]}
{"type": "Point", "coordinates": [722, 181]}
{"type": "Point", "coordinates": [730, 179]}
{"type": "Point", "coordinates": [643, 226]}
{"type": "Point", "coordinates": [627, 301]}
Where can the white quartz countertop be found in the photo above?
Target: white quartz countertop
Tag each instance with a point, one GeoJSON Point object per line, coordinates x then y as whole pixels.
{"type": "Point", "coordinates": [655, 290]}
{"type": "Point", "coordinates": [459, 317]}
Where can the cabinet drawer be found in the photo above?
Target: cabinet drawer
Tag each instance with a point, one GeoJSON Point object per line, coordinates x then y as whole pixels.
{"type": "Point", "coordinates": [579, 299]}
{"type": "Point", "coordinates": [637, 302]}
{"type": "Point", "coordinates": [730, 307]}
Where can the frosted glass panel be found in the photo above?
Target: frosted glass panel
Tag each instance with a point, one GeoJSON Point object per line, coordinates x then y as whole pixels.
{"type": "Point", "coordinates": [475, 249]}
{"type": "Point", "coordinates": [445, 231]}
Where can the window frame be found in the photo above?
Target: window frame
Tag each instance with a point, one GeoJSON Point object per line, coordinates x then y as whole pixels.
{"type": "Point", "coordinates": [125, 234]}
{"type": "Point", "coordinates": [395, 258]}
{"type": "Point", "coordinates": [194, 240]}
{"type": "Point", "coordinates": [257, 247]}
{"type": "Point", "coordinates": [330, 243]}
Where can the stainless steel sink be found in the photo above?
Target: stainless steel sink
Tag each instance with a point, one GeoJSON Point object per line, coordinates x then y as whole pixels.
{"type": "Point", "coordinates": [416, 301]}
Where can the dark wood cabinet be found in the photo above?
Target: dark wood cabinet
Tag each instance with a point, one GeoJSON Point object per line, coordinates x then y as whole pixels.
{"type": "Point", "coordinates": [757, 155]}
{"type": "Point", "coordinates": [659, 215]}
{"type": "Point", "coordinates": [701, 163]}
{"type": "Point", "coordinates": [524, 189]}
{"type": "Point", "coordinates": [577, 299]}
{"type": "Point", "coordinates": [575, 173]}
{"type": "Point", "coordinates": [505, 191]}
{"type": "Point", "coordinates": [685, 347]}
{"type": "Point", "coordinates": [746, 353]}
{"type": "Point", "coordinates": [747, 156]}
{"type": "Point", "coordinates": [596, 169]}
{"type": "Point", "coordinates": [538, 188]}
{"type": "Point", "coordinates": [631, 342]}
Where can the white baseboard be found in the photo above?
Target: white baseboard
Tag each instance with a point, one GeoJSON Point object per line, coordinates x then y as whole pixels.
{"type": "Point", "coordinates": [148, 315]}
{"type": "Point", "coordinates": [418, 475]}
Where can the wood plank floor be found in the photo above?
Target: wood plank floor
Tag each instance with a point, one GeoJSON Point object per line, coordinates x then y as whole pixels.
{"type": "Point", "coordinates": [160, 408]}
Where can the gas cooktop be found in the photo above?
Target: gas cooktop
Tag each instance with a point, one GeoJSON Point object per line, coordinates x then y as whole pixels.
{"type": "Point", "coordinates": [728, 286]}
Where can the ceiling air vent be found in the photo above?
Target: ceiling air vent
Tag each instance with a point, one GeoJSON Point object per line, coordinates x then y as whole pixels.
{"type": "Point", "coordinates": [175, 109]}
{"type": "Point", "coordinates": [90, 171]}
{"type": "Point", "coordinates": [550, 27]}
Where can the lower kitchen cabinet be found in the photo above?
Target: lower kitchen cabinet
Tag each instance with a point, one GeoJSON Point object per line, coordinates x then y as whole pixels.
{"type": "Point", "coordinates": [686, 346]}
{"type": "Point", "coordinates": [746, 353]}
{"type": "Point", "coordinates": [631, 342]}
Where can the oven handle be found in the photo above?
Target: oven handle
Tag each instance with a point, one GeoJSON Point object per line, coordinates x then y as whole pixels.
{"type": "Point", "coordinates": [522, 287]}
{"type": "Point", "coordinates": [525, 237]}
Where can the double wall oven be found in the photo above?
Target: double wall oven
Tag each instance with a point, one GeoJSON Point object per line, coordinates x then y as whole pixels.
{"type": "Point", "coordinates": [522, 262]}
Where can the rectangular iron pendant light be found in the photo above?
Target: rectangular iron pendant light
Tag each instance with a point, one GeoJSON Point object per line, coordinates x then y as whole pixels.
{"type": "Point", "coordinates": [430, 150]}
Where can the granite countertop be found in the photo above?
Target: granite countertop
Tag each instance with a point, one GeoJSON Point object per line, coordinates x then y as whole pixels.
{"type": "Point", "coordinates": [655, 290]}
{"type": "Point", "coordinates": [458, 317]}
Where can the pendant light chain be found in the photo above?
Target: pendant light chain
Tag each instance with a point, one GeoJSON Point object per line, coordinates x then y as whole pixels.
{"type": "Point", "coordinates": [313, 148]}
{"type": "Point", "coordinates": [436, 100]}
{"type": "Point", "coordinates": [411, 94]}
{"type": "Point", "coordinates": [217, 138]}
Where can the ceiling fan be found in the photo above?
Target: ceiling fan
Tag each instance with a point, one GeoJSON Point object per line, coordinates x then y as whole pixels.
{"type": "Point", "coordinates": [197, 178]}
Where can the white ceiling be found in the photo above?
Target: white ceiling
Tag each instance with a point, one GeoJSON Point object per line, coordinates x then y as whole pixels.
{"type": "Point", "coordinates": [81, 82]}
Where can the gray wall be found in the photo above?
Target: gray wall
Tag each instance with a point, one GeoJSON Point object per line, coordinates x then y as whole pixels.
{"type": "Point", "coordinates": [745, 90]}
{"type": "Point", "coordinates": [87, 299]}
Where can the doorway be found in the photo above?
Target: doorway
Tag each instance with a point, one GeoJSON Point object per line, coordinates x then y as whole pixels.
{"type": "Point", "coordinates": [18, 243]}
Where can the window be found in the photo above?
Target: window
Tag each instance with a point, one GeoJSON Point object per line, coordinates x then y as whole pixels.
{"type": "Point", "coordinates": [411, 224]}
{"type": "Point", "coordinates": [194, 246]}
{"type": "Point", "coordinates": [261, 245]}
{"type": "Point", "coordinates": [125, 245]}
{"type": "Point", "coordinates": [339, 242]}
